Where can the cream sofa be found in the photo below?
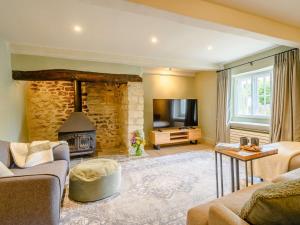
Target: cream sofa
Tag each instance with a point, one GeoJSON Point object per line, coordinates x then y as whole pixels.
{"type": "Point", "coordinates": [224, 211]}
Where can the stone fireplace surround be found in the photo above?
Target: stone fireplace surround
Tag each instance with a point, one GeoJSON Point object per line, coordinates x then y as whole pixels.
{"type": "Point", "coordinates": [116, 110]}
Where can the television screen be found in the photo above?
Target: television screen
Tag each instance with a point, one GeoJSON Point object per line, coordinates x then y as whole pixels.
{"type": "Point", "coordinates": [175, 113]}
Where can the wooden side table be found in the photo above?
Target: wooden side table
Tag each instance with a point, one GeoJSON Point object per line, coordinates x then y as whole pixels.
{"type": "Point", "coordinates": [244, 156]}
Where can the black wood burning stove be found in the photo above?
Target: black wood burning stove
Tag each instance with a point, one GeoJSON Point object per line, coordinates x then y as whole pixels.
{"type": "Point", "coordinates": [78, 130]}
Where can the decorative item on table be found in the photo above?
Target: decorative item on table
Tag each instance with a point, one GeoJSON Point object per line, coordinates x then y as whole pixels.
{"type": "Point", "coordinates": [137, 142]}
{"type": "Point", "coordinates": [253, 147]}
{"type": "Point", "coordinates": [255, 141]}
{"type": "Point", "coordinates": [244, 141]}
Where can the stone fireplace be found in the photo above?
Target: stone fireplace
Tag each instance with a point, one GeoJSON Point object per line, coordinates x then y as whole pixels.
{"type": "Point", "coordinates": [115, 109]}
{"type": "Point", "coordinates": [78, 130]}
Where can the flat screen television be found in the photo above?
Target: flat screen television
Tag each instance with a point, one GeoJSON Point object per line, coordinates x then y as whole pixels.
{"type": "Point", "coordinates": [175, 113]}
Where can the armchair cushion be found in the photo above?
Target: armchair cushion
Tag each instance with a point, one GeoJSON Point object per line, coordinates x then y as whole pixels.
{"type": "Point", "coordinates": [292, 175]}
{"type": "Point", "coordinates": [275, 204]}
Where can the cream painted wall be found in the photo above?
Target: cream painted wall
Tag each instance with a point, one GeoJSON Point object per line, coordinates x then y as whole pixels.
{"type": "Point", "coordinates": [12, 99]}
{"type": "Point", "coordinates": [28, 62]}
{"type": "Point", "coordinates": [162, 86]}
{"type": "Point", "coordinates": [206, 92]}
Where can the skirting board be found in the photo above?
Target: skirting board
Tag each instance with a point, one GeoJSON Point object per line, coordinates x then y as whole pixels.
{"type": "Point", "coordinates": [208, 140]}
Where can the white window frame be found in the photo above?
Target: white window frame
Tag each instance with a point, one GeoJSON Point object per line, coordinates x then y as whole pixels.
{"type": "Point", "coordinates": [253, 75]}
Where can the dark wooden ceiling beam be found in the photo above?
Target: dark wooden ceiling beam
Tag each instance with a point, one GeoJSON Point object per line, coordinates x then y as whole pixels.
{"type": "Point", "coordinates": [71, 75]}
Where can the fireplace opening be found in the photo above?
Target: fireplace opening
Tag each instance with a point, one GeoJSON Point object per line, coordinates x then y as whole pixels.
{"type": "Point", "coordinates": [78, 130]}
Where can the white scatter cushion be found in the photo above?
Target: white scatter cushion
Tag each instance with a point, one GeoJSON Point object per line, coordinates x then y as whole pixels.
{"type": "Point", "coordinates": [39, 152]}
{"type": "Point", "coordinates": [19, 153]}
{"type": "Point", "coordinates": [4, 171]}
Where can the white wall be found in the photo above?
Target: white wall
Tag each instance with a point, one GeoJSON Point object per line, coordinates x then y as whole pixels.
{"type": "Point", "coordinates": [12, 100]}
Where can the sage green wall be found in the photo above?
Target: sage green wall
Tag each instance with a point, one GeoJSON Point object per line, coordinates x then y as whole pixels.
{"type": "Point", "coordinates": [12, 99]}
{"type": "Point", "coordinates": [206, 92]}
{"type": "Point", "coordinates": [206, 89]}
{"type": "Point", "coordinates": [162, 86]}
{"type": "Point", "coordinates": [203, 86]}
{"type": "Point", "coordinates": [258, 64]}
{"type": "Point", "coordinates": [28, 62]}
{"type": "Point", "coordinates": [269, 61]}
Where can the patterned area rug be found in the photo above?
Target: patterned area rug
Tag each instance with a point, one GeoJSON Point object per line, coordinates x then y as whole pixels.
{"type": "Point", "coordinates": [155, 191]}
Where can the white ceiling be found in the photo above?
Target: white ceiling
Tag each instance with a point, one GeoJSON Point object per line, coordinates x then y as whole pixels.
{"type": "Point", "coordinates": [284, 11]}
{"type": "Point", "coordinates": [118, 31]}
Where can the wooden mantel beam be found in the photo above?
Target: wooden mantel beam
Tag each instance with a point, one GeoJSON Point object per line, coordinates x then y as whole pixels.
{"type": "Point", "coordinates": [71, 75]}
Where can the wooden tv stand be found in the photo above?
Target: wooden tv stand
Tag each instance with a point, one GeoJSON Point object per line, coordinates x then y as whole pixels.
{"type": "Point", "coordinates": [174, 135]}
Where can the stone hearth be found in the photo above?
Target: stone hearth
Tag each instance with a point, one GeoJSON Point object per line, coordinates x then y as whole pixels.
{"type": "Point", "coordinates": [116, 110]}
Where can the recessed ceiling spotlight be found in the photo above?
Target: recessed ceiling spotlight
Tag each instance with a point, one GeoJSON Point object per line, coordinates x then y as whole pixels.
{"type": "Point", "coordinates": [209, 47]}
{"type": "Point", "coordinates": [154, 40]}
{"type": "Point", "coordinates": [77, 28]}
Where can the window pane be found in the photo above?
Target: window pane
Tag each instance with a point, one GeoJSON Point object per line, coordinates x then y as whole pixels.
{"type": "Point", "coordinates": [243, 93]}
{"type": "Point", "coordinates": [263, 106]}
{"type": "Point", "coordinates": [252, 95]}
{"type": "Point", "coordinates": [268, 84]}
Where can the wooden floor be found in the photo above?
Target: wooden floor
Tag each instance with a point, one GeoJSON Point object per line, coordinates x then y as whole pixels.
{"type": "Point", "coordinates": [174, 149]}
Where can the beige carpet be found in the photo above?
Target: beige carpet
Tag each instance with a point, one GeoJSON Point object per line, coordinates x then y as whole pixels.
{"type": "Point", "coordinates": [175, 149]}
{"type": "Point", "coordinates": [155, 191]}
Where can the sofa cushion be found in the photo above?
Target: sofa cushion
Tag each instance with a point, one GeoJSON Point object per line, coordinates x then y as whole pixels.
{"type": "Point", "coordinates": [292, 175]}
{"type": "Point", "coordinates": [4, 171]}
{"type": "Point", "coordinates": [275, 204]}
{"type": "Point", "coordinates": [235, 201]}
{"type": "Point", "coordinates": [61, 152]}
{"type": "Point", "coordinates": [5, 156]}
{"type": "Point", "coordinates": [58, 168]}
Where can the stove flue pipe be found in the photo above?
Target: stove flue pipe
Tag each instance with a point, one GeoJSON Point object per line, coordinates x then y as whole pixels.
{"type": "Point", "coordinates": [77, 96]}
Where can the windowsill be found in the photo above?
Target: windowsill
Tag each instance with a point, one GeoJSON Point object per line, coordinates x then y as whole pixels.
{"type": "Point", "coordinates": [260, 127]}
{"type": "Point", "coordinates": [252, 117]}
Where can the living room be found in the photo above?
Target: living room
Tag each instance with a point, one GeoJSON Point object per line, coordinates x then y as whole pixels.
{"type": "Point", "coordinates": [149, 112]}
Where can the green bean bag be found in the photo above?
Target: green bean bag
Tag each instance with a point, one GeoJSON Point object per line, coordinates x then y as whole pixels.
{"type": "Point", "coordinates": [94, 179]}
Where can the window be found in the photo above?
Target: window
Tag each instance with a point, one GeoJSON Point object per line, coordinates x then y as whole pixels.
{"type": "Point", "coordinates": [252, 94]}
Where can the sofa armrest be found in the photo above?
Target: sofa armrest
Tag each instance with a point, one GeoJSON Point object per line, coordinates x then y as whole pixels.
{"type": "Point", "coordinates": [221, 215]}
{"type": "Point", "coordinates": [62, 152]}
{"type": "Point", "coordinates": [294, 162]}
{"type": "Point", "coordinates": [30, 199]}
